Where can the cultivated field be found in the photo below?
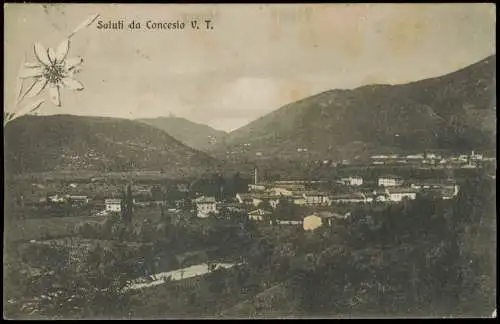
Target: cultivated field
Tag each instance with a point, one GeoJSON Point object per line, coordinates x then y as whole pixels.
{"type": "Point", "coordinates": [41, 228]}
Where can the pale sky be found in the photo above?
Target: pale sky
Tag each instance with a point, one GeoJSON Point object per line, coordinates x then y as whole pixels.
{"type": "Point", "coordinates": [255, 60]}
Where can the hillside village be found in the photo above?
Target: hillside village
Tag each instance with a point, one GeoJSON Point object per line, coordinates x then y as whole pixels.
{"type": "Point", "coordinates": [261, 199]}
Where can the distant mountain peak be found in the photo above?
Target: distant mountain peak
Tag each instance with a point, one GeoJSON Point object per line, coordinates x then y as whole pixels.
{"type": "Point", "coordinates": [199, 136]}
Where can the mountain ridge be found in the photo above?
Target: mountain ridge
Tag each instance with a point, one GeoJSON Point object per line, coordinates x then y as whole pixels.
{"type": "Point", "coordinates": [69, 142]}
{"type": "Point", "coordinates": [452, 111]}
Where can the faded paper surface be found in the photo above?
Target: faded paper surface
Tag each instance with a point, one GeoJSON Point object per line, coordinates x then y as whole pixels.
{"type": "Point", "coordinates": [234, 125]}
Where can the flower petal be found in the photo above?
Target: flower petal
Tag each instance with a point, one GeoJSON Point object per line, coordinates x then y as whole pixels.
{"type": "Point", "coordinates": [37, 86]}
{"type": "Point", "coordinates": [62, 50]}
{"type": "Point", "coordinates": [71, 73]}
{"type": "Point", "coordinates": [54, 94]}
{"type": "Point", "coordinates": [7, 116]}
{"type": "Point", "coordinates": [20, 81]}
{"type": "Point", "coordinates": [29, 108]}
{"type": "Point", "coordinates": [73, 61]}
{"type": "Point", "coordinates": [32, 65]}
{"type": "Point", "coordinates": [72, 84]}
{"type": "Point", "coordinates": [52, 55]}
{"type": "Point", "coordinates": [36, 105]}
{"type": "Point", "coordinates": [84, 24]}
{"type": "Point", "coordinates": [42, 54]}
{"type": "Point", "coordinates": [30, 72]}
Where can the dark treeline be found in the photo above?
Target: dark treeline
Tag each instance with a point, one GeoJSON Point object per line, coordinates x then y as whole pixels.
{"type": "Point", "coordinates": [422, 258]}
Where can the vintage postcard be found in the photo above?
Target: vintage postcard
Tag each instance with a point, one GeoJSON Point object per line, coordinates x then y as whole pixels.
{"type": "Point", "coordinates": [249, 161]}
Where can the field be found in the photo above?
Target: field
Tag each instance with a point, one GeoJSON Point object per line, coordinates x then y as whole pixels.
{"type": "Point", "coordinates": [40, 228]}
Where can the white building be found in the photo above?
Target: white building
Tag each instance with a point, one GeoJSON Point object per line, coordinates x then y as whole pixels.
{"type": "Point", "coordinates": [315, 198]}
{"type": "Point", "coordinates": [205, 206]}
{"type": "Point", "coordinates": [348, 198]}
{"type": "Point", "coordinates": [113, 205]}
{"type": "Point", "coordinates": [82, 200]}
{"type": "Point", "coordinates": [56, 198]}
{"type": "Point", "coordinates": [298, 200]}
{"type": "Point", "coordinates": [476, 156]}
{"type": "Point", "coordinates": [389, 181]}
{"type": "Point", "coordinates": [256, 188]}
{"type": "Point", "coordinates": [449, 192]}
{"type": "Point", "coordinates": [415, 157]}
{"type": "Point", "coordinates": [278, 191]}
{"type": "Point", "coordinates": [398, 194]}
{"type": "Point", "coordinates": [352, 181]}
{"type": "Point", "coordinates": [289, 222]}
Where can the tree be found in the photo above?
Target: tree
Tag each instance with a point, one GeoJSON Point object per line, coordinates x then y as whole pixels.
{"type": "Point", "coordinates": [127, 205]}
{"type": "Point", "coordinates": [218, 186]}
{"type": "Point", "coordinates": [157, 193]}
{"type": "Point", "coordinates": [265, 205]}
{"type": "Point", "coordinates": [287, 210]}
{"type": "Point", "coordinates": [90, 286]}
{"type": "Point", "coordinates": [239, 185]}
{"type": "Point", "coordinates": [123, 206]}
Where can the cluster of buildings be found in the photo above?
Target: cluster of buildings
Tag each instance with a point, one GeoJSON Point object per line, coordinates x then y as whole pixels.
{"type": "Point", "coordinates": [472, 160]}
{"type": "Point", "coordinates": [352, 189]}
{"type": "Point", "coordinates": [72, 199]}
{"type": "Point", "coordinates": [262, 199]}
{"type": "Point", "coordinates": [111, 205]}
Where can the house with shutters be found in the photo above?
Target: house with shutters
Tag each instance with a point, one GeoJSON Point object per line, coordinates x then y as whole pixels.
{"type": "Point", "coordinates": [315, 198]}
{"type": "Point", "coordinates": [390, 181]}
{"type": "Point", "coordinates": [113, 205]}
{"type": "Point", "coordinates": [397, 194]}
{"type": "Point", "coordinates": [205, 206]}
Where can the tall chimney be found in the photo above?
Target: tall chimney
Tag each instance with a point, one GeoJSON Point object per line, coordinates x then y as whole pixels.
{"type": "Point", "coordinates": [256, 175]}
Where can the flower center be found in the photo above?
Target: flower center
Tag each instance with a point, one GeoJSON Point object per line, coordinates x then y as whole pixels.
{"type": "Point", "coordinates": [54, 73]}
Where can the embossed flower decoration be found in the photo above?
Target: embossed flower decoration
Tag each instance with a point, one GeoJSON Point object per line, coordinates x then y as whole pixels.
{"type": "Point", "coordinates": [53, 71]}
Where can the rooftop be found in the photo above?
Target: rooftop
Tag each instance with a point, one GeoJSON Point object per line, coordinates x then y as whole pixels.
{"type": "Point", "coordinates": [245, 196]}
{"type": "Point", "coordinates": [112, 201]}
{"type": "Point", "coordinates": [347, 196]}
{"type": "Point", "coordinates": [327, 214]}
{"type": "Point", "coordinates": [204, 200]}
{"type": "Point", "coordinates": [260, 212]}
{"type": "Point", "coordinates": [396, 190]}
{"type": "Point", "coordinates": [389, 176]}
{"type": "Point", "coordinates": [314, 193]}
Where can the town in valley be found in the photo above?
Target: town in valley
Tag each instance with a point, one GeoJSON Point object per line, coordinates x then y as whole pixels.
{"type": "Point", "coordinates": [278, 162]}
{"type": "Point", "coordinates": [142, 216]}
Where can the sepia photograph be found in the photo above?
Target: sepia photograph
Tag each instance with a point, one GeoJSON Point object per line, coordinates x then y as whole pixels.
{"type": "Point", "coordinates": [249, 161]}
